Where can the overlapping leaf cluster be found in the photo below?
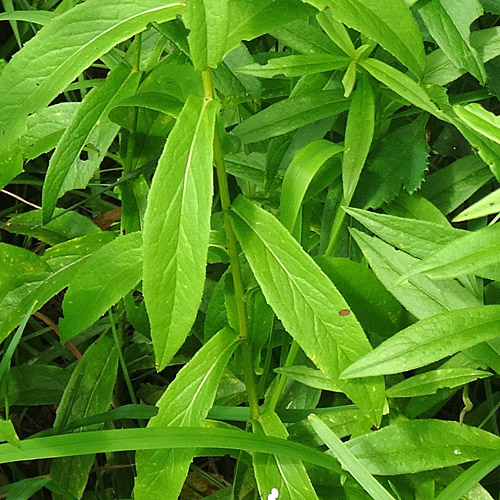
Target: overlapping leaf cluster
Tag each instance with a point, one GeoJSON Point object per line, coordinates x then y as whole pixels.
{"type": "Point", "coordinates": [259, 231]}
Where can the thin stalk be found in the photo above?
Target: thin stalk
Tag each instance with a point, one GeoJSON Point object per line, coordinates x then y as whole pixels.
{"type": "Point", "coordinates": [239, 293]}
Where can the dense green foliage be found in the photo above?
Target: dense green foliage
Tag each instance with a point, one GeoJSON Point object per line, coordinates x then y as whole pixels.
{"type": "Point", "coordinates": [249, 249]}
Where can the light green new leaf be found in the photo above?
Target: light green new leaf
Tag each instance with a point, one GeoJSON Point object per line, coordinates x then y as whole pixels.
{"type": "Point", "coordinates": [8, 432]}
{"type": "Point", "coordinates": [448, 21]}
{"type": "Point", "coordinates": [473, 253]}
{"type": "Point", "coordinates": [486, 206]}
{"type": "Point", "coordinates": [299, 175]}
{"type": "Point", "coordinates": [290, 114]}
{"type": "Point", "coordinates": [208, 21]}
{"type": "Point", "coordinates": [336, 31]}
{"type": "Point", "coordinates": [349, 461]}
{"type": "Point", "coordinates": [63, 49]}
{"type": "Point", "coordinates": [479, 119]}
{"type": "Point", "coordinates": [92, 128]}
{"type": "Point", "coordinates": [419, 445]}
{"type": "Point", "coordinates": [431, 382]}
{"type": "Point", "coordinates": [400, 83]}
{"type": "Point", "coordinates": [107, 276]}
{"type": "Point", "coordinates": [30, 16]}
{"type": "Point", "coordinates": [421, 296]}
{"type": "Point", "coordinates": [248, 20]}
{"type": "Point", "coordinates": [291, 66]}
{"type": "Point", "coordinates": [89, 392]}
{"type": "Point", "coordinates": [177, 228]}
{"type": "Point", "coordinates": [358, 135]}
{"type": "Point", "coordinates": [416, 237]}
{"type": "Point", "coordinates": [390, 24]}
{"type": "Point", "coordinates": [287, 476]}
{"type": "Point", "coordinates": [429, 340]}
{"type": "Point", "coordinates": [185, 403]}
{"type": "Point", "coordinates": [310, 377]}
{"type": "Point", "coordinates": [306, 301]}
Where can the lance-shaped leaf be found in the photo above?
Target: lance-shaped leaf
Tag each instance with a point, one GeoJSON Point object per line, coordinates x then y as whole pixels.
{"type": "Point", "coordinates": [185, 403]}
{"type": "Point", "coordinates": [473, 253]}
{"type": "Point", "coordinates": [400, 83]}
{"type": "Point", "coordinates": [287, 476]}
{"type": "Point", "coordinates": [89, 392]}
{"type": "Point", "coordinates": [248, 20]}
{"type": "Point", "coordinates": [106, 276]}
{"type": "Point", "coordinates": [208, 21]}
{"type": "Point", "coordinates": [348, 460]}
{"type": "Point", "coordinates": [63, 49]}
{"type": "Point", "coordinates": [305, 300]}
{"type": "Point", "coordinates": [486, 206]}
{"type": "Point", "coordinates": [296, 65]}
{"type": "Point", "coordinates": [177, 228]}
{"type": "Point", "coordinates": [299, 175]}
{"type": "Point", "coordinates": [448, 21]}
{"type": "Point", "coordinates": [429, 340]}
{"type": "Point", "coordinates": [430, 382]}
{"type": "Point", "coordinates": [479, 119]}
{"type": "Point", "coordinates": [358, 135]}
{"type": "Point", "coordinates": [418, 445]}
{"type": "Point", "coordinates": [390, 24]}
{"type": "Point", "coordinates": [290, 114]}
{"type": "Point", "coordinates": [90, 127]}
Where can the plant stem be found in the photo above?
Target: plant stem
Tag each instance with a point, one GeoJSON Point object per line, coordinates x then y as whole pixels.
{"type": "Point", "coordinates": [239, 292]}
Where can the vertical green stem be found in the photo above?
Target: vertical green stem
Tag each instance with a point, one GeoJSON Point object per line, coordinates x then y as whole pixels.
{"type": "Point", "coordinates": [232, 248]}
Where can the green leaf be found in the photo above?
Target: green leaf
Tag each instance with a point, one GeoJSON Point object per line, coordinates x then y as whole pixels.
{"type": "Point", "coordinates": [430, 382]}
{"type": "Point", "coordinates": [305, 300]}
{"type": "Point", "coordinates": [107, 276]}
{"type": "Point", "coordinates": [208, 21]}
{"type": "Point", "coordinates": [421, 296]}
{"type": "Point", "coordinates": [185, 403]}
{"type": "Point", "coordinates": [63, 49]}
{"type": "Point", "coordinates": [488, 205]}
{"type": "Point", "coordinates": [22, 294]}
{"type": "Point", "coordinates": [450, 186]}
{"type": "Point", "coordinates": [92, 442]}
{"type": "Point", "coordinates": [349, 461]}
{"type": "Point", "coordinates": [390, 24]}
{"type": "Point", "coordinates": [89, 392]}
{"type": "Point", "coordinates": [8, 432]}
{"type": "Point", "coordinates": [419, 445]}
{"type": "Point", "coordinates": [374, 307]}
{"type": "Point", "coordinates": [449, 24]}
{"type": "Point", "coordinates": [403, 151]}
{"type": "Point", "coordinates": [33, 385]}
{"type": "Point", "coordinates": [299, 175]}
{"type": "Point", "coordinates": [287, 476]}
{"type": "Point", "coordinates": [309, 376]}
{"type": "Point", "coordinates": [248, 20]}
{"type": "Point", "coordinates": [358, 135]}
{"type": "Point", "coordinates": [429, 340]}
{"type": "Point", "coordinates": [337, 32]}
{"type": "Point", "coordinates": [92, 128]}
{"type": "Point", "coordinates": [473, 253]}
{"type": "Point", "coordinates": [291, 66]}
{"type": "Point", "coordinates": [416, 237]}
{"type": "Point", "coordinates": [45, 128]}
{"type": "Point", "coordinates": [479, 119]}
{"type": "Point", "coordinates": [177, 228]}
{"type": "Point", "coordinates": [66, 226]}
{"type": "Point", "coordinates": [400, 83]}
{"type": "Point", "coordinates": [290, 114]}
{"type": "Point", "coordinates": [30, 16]}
